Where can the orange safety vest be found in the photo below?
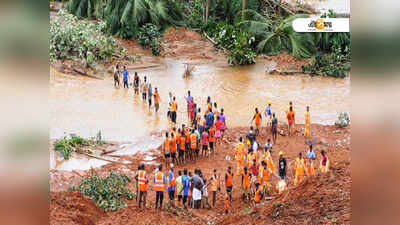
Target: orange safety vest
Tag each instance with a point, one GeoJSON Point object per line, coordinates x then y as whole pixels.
{"type": "Point", "coordinates": [182, 145]}
{"type": "Point", "coordinates": [142, 181]}
{"type": "Point", "coordinates": [178, 138]}
{"type": "Point", "coordinates": [159, 181]}
{"type": "Point", "coordinates": [258, 118]}
{"type": "Point", "coordinates": [174, 106]}
{"type": "Point", "coordinates": [193, 141]}
{"type": "Point", "coordinates": [173, 145]}
{"type": "Point", "coordinates": [307, 117]}
{"type": "Point", "coordinates": [187, 137]}
{"type": "Point", "coordinates": [228, 182]}
{"type": "Point", "coordinates": [167, 144]}
{"type": "Point", "coordinates": [171, 183]}
{"type": "Point", "coordinates": [212, 133]}
{"type": "Point", "coordinates": [299, 166]}
{"type": "Point", "coordinates": [263, 174]}
{"type": "Point", "coordinates": [214, 183]}
{"type": "Point", "coordinates": [246, 180]}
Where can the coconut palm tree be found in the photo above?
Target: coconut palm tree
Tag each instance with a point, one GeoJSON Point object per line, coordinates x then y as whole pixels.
{"type": "Point", "coordinates": [274, 37]}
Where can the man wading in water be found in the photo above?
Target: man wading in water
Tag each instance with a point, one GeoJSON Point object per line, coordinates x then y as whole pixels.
{"type": "Point", "coordinates": [116, 75]}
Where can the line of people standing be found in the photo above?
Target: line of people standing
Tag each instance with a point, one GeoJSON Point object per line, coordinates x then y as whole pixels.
{"type": "Point", "coordinates": [144, 87]}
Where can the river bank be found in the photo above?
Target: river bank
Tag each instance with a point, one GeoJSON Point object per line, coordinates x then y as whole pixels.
{"type": "Point", "coordinates": [320, 193]}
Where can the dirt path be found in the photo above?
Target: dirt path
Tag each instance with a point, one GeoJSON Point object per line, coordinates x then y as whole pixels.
{"type": "Point", "coordinates": [320, 200]}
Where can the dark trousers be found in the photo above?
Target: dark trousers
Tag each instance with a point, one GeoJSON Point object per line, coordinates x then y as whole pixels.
{"type": "Point", "coordinates": [159, 198]}
{"type": "Point", "coordinates": [126, 84]}
{"type": "Point", "coordinates": [197, 204]}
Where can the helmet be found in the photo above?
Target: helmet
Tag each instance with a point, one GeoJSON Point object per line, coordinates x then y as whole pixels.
{"type": "Point", "coordinates": [280, 153]}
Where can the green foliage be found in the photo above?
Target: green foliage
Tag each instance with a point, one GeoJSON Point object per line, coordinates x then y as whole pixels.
{"type": "Point", "coordinates": [343, 119]}
{"type": "Point", "coordinates": [71, 39]}
{"type": "Point", "coordinates": [273, 36]}
{"type": "Point", "coordinates": [194, 18]}
{"type": "Point", "coordinates": [124, 17]}
{"type": "Point", "coordinates": [67, 144]}
{"type": "Point", "coordinates": [109, 193]}
{"type": "Point", "coordinates": [149, 36]}
{"type": "Point", "coordinates": [333, 64]}
{"type": "Point", "coordinates": [237, 42]}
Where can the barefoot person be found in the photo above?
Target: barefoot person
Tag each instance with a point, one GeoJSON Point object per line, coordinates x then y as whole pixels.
{"type": "Point", "coordinates": [149, 95]}
{"type": "Point", "coordinates": [126, 75]}
{"type": "Point", "coordinates": [174, 108]}
{"type": "Point", "coordinates": [309, 163]}
{"type": "Point", "coordinates": [171, 185]}
{"type": "Point", "coordinates": [246, 177]}
{"type": "Point", "coordinates": [222, 118]}
{"type": "Point", "coordinates": [144, 87]}
{"type": "Point", "coordinates": [299, 169]}
{"type": "Point", "coordinates": [324, 165]}
{"type": "Point", "coordinates": [229, 183]}
{"type": "Point", "coordinates": [215, 186]}
{"type": "Point", "coordinates": [204, 143]}
{"type": "Point", "coordinates": [136, 82]}
{"type": "Point", "coordinates": [116, 75]}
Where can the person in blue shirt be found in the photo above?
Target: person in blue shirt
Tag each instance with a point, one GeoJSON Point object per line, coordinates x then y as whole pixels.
{"type": "Point", "coordinates": [210, 119]}
{"type": "Point", "coordinates": [149, 95]}
{"type": "Point", "coordinates": [126, 74]}
{"type": "Point", "coordinates": [171, 184]}
{"type": "Point", "coordinates": [268, 115]}
{"type": "Point", "coordinates": [185, 183]}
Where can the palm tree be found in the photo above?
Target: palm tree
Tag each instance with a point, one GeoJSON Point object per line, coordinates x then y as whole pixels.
{"type": "Point", "coordinates": [274, 37]}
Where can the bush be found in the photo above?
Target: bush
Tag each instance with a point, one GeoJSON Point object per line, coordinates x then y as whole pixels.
{"type": "Point", "coordinates": [71, 39]}
{"type": "Point", "coordinates": [109, 193]}
{"type": "Point", "coordinates": [73, 142]}
{"type": "Point", "coordinates": [149, 36]}
{"type": "Point", "coordinates": [343, 119]}
{"type": "Point", "coordinates": [237, 42]}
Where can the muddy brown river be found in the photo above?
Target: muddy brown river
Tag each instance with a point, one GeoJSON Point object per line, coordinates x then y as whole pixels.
{"type": "Point", "coordinates": [84, 105]}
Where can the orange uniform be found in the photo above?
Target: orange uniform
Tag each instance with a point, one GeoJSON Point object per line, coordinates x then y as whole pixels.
{"type": "Point", "coordinates": [174, 106]}
{"type": "Point", "coordinates": [173, 145]}
{"type": "Point", "coordinates": [307, 124]}
{"type": "Point", "coordinates": [193, 141]}
{"type": "Point", "coordinates": [159, 180]}
{"type": "Point", "coordinates": [182, 143]}
{"type": "Point", "coordinates": [257, 194]}
{"type": "Point", "coordinates": [240, 157]}
{"type": "Point", "coordinates": [156, 98]}
{"type": "Point", "coordinates": [246, 180]}
{"type": "Point", "coordinates": [228, 182]}
{"type": "Point", "coordinates": [167, 145]}
{"type": "Point", "coordinates": [212, 134]}
{"type": "Point", "coordinates": [263, 175]}
{"type": "Point", "coordinates": [142, 180]}
{"type": "Point", "coordinates": [299, 170]}
{"type": "Point", "coordinates": [258, 118]}
{"type": "Point", "coordinates": [290, 117]}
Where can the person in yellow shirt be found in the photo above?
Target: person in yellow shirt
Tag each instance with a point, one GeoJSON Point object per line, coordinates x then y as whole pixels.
{"type": "Point", "coordinates": [307, 123]}
{"type": "Point", "coordinates": [215, 186]}
{"type": "Point", "coordinates": [240, 156]}
{"type": "Point", "coordinates": [299, 169]}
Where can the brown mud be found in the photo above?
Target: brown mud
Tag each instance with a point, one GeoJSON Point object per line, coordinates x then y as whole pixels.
{"type": "Point", "coordinates": [323, 199]}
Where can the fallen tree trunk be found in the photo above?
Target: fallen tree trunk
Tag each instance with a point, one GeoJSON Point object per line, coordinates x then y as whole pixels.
{"type": "Point", "coordinates": [215, 43]}
{"type": "Point", "coordinates": [82, 72]}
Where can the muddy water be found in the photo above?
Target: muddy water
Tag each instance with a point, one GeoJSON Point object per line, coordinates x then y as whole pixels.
{"type": "Point", "coordinates": [85, 106]}
{"type": "Point", "coordinates": [339, 6]}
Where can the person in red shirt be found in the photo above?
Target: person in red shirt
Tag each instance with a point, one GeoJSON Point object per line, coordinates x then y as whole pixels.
{"type": "Point", "coordinates": [254, 172]}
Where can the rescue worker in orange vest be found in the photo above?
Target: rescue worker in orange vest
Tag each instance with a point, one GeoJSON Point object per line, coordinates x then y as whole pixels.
{"type": "Point", "coordinates": [299, 169]}
{"type": "Point", "coordinates": [307, 122]}
{"type": "Point", "coordinates": [250, 158]}
{"type": "Point", "coordinates": [246, 176]}
{"type": "Point", "coordinates": [174, 108]}
{"type": "Point", "coordinates": [240, 156]}
{"type": "Point", "coordinates": [143, 181]}
{"type": "Point", "coordinates": [258, 194]}
{"type": "Point", "coordinates": [173, 148]}
{"type": "Point", "coordinates": [167, 148]}
{"type": "Point", "coordinates": [324, 165]}
{"type": "Point", "coordinates": [227, 203]}
{"type": "Point", "coordinates": [182, 147]}
{"type": "Point", "coordinates": [258, 118]}
{"type": "Point", "coordinates": [263, 176]}
{"type": "Point", "coordinates": [171, 184]}
{"type": "Point", "coordinates": [159, 183]}
{"type": "Point", "coordinates": [229, 183]}
{"type": "Point", "coordinates": [156, 100]}
{"type": "Point", "coordinates": [281, 186]}
{"type": "Point", "coordinates": [193, 144]}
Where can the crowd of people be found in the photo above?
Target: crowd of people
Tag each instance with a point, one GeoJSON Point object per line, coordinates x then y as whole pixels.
{"type": "Point", "coordinates": [200, 137]}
